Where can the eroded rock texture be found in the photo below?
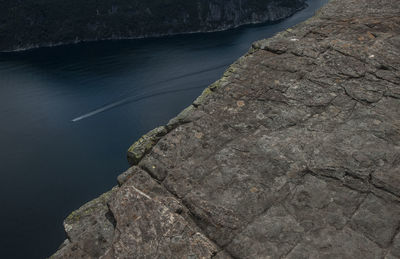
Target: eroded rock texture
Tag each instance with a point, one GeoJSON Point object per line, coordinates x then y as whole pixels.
{"type": "Point", "coordinates": [294, 153]}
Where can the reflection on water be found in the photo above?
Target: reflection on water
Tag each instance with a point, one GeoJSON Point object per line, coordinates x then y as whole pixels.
{"type": "Point", "coordinates": [56, 155]}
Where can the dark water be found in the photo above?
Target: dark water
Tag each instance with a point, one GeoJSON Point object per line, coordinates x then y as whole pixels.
{"type": "Point", "coordinates": [115, 91]}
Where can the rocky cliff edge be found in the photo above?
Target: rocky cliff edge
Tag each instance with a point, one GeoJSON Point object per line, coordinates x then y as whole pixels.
{"type": "Point", "coordinates": [293, 153]}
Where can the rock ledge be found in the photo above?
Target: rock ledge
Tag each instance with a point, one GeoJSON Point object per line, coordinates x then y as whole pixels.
{"type": "Point", "coordinates": [294, 153]}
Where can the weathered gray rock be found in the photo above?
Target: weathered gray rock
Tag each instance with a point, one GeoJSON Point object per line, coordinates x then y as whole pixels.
{"type": "Point", "coordinates": [294, 153]}
{"type": "Point", "coordinates": [89, 230]}
{"type": "Point", "coordinates": [395, 251]}
{"type": "Point", "coordinates": [149, 224]}
{"type": "Point", "coordinates": [332, 243]}
{"type": "Point", "coordinates": [137, 151]}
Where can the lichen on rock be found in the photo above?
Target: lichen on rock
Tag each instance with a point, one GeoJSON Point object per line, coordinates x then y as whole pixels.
{"type": "Point", "coordinates": [144, 144]}
{"type": "Point", "coordinates": [294, 153]}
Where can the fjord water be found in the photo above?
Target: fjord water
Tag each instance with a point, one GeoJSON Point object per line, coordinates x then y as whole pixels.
{"type": "Point", "coordinates": [69, 113]}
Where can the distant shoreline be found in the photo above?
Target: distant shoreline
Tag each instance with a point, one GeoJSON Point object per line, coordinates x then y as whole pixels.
{"type": "Point", "coordinates": [148, 36]}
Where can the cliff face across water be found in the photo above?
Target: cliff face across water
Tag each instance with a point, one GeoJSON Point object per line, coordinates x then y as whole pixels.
{"type": "Point", "coordinates": [31, 23]}
{"type": "Point", "coordinates": [293, 153]}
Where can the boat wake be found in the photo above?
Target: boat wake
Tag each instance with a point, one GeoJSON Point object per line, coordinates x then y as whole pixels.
{"type": "Point", "coordinates": [149, 94]}
{"type": "Point", "coordinates": [131, 99]}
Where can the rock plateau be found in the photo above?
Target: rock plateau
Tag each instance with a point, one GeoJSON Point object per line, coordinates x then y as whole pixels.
{"type": "Point", "coordinates": [293, 153]}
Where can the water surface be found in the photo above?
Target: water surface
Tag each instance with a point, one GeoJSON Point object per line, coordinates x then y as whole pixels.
{"type": "Point", "coordinates": [68, 115]}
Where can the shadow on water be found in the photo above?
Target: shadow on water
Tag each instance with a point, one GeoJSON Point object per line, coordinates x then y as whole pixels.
{"type": "Point", "coordinates": [50, 165]}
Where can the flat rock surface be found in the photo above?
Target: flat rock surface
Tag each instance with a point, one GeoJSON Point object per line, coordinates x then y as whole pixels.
{"type": "Point", "coordinates": [293, 153]}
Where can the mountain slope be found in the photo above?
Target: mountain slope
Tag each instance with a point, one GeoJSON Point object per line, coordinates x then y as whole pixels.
{"type": "Point", "coordinates": [32, 23]}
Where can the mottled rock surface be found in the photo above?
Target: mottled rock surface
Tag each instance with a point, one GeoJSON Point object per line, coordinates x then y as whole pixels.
{"type": "Point", "coordinates": [294, 153]}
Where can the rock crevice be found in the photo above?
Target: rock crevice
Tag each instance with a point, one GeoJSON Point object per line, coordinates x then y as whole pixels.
{"type": "Point", "coordinates": [293, 153]}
